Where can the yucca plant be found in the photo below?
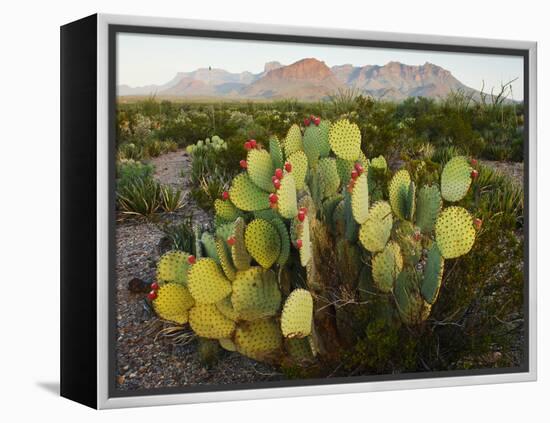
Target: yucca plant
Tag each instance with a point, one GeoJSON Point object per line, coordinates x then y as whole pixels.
{"type": "Point", "coordinates": [141, 197]}
{"type": "Point", "coordinates": [171, 199]}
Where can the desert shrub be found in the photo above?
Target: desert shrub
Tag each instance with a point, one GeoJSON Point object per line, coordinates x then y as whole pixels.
{"type": "Point", "coordinates": [171, 199]}
{"type": "Point", "coordinates": [140, 197]}
{"type": "Point", "coordinates": [130, 170]}
{"type": "Point", "coordinates": [179, 236]}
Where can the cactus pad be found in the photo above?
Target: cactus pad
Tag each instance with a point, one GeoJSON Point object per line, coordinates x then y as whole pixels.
{"type": "Point", "coordinates": [246, 195]}
{"type": "Point", "coordinates": [209, 244]}
{"type": "Point", "coordinates": [379, 164]}
{"type": "Point", "coordinates": [285, 241]}
{"type": "Point", "coordinates": [241, 258]}
{"type": "Point", "coordinates": [345, 139]}
{"type": "Point", "coordinates": [207, 284]}
{"type": "Point", "coordinates": [227, 344]}
{"type": "Point", "coordinates": [226, 308]}
{"type": "Point", "coordinates": [262, 242]}
{"type": "Point", "coordinates": [260, 169]}
{"type": "Point", "coordinates": [300, 350]}
{"type": "Point", "coordinates": [173, 303]}
{"type": "Point", "coordinates": [293, 140]}
{"type": "Point", "coordinates": [256, 294]}
{"type": "Point", "coordinates": [410, 304]}
{"type": "Point", "coordinates": [454, 232]}
{"type": "Point", "coordinates": [376, 230]}
{"type": "Point", "coordinates": [345, 167]}
{"type": "Point", "coordinates": [360, 199]}
{"type": "Point", "coordinates": [222, 248]}
{"type": "Point", "coordinates": [328, 177]}
{"type": "Point", "coordinates": [324, 145]}
{"type": "Point", "coordinates": [302, 233]}
{"type": "Point", "coordinates": [173, 266]}
{"type": "Point", "coordinates": [456, 179]}
{"type": "Point", "coordinates": [311, 141]}
{"type": "Point", "coordinates": [207, 322]}
{"type": "Point", "coordinates": [276, 153]}
{"type": "Point", "coordinates": [225, 210]}
{"type": "Point", "coordinates": [433, 274]}
{"type": "Point", "coordinates": [428, 206]}
{"type": "Point", "coordinates": [410, 205]}
{"type": "Point", "coordinates": [386, 266]}
{"type": "Point", "coordinates": [287, 204]}
{"type": "Point", "coordinates": [297, 315]}
{"type": "Point", "coordinates": [399, 193]}
{"type": "Point", "coordinates": [299, 163]}
{"type": "Point", "coordinates": [259, 340]}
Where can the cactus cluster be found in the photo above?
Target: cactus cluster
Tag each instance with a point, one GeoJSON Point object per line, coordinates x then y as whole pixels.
{"type": "Point", "coordinates": [308, 216]}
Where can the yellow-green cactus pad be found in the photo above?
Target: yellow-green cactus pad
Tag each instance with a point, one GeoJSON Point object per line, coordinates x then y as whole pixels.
{"type": "Point", "coordinates": [297, 315]}
{"type": "Point", "coordinates": [406, 235]}
{"type": "Point", "coordinates": [300, 350]}
{"type": "Point", "coordinates": [293, 140]}
{"type": "Point", "coordinates": [410, 205]}
{"type": "Point", "coordinates": [379, 164]}
{"type": "Point", "coordinates": [256, 294]}
{"type": "Point", "coordinates": [260, 169]}
{"type": "Point", "coordinates": [227, 344]}
{"type": "Point", "coordinates": [226, 210]}
{"type": "Point", "coordinates": [360, 199]}
{"type": "Point", "coordinates": [173, 303]}
{"type": "Point", "coordinates": [324, 145]}
{"type": "Point", "coordinates": [428, 206]}
{"type": "Point", "coordinates": [173, 266]}
{"type": "Point", "coordinates": [241, 258]}
{"type": "Point", "coordinates": [207, 322]}
{"type": "Point", "coordinates": [298, 160]}
{"type": "Point", "coordinates": [262, 242]}
{"type": "Point", "coordinates": [410, 304]}
{"type": "Point", "coordinates": [276, 152]}
{"type": "Point", "coordinates": [302, 232]}
{"type": "Point", "coordinates": [433, 274]}
{"type": "Point", "coordinates": [386, 266]}
{"type": "Point", "coordinates": [454, 232]}
{"type": "Point", "coordinates": [225, 230]}
{"type": "Point", "coordinates": [208, 242]}
{"type": "Point", "coordinates": [287, 204]}
{"type": "Point", "coordinates": [456, 179]}
{"type": "Point", "coordinates": [376, 230]}
{"type": "Point", "coordinates": [328, 177]}
{"type": "Point", "coordinates": [345, 139]}
{"type": "Point", "coordinates": [226, 308]}
{"type": "Point", "coordinates": [246, 195]}
{"type": "Point", "coordinates": [259, 340]}
{"type": "Point", "coordinates": [285, 241]}
{"type": "Point", "coordinates": [399, 192]}
{"type": "Point", "coordinates": [207, 283]}
{"type": "Point", "coordinates": [311, 141]}
{"type": "Point", "coordinates": [222, 248]}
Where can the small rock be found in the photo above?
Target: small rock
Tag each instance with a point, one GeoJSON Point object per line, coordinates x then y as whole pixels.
{"type": "Point", "coordinates": [138, 286]}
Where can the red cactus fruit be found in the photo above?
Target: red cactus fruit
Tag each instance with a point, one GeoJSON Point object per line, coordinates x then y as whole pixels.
{"type": "Point", "coordinates": [154, 286]}
{"type": "Point", "coordinates": [276, 183]}
{"type": "Point", "coordinates": [152, 295]}
{"type": "Point", "coordinates": [231, 240]}
{"type": "Point", "coordinates": [359, 168]}
{"type": "Point", "coordinates": [288, 167]}
{"type": "Point", "coordinates": [273, 198]}
{"type": "Point", "coordinates": [192, 259]}
{"type": "Point", "coordinates": [301, 216]}
{"type": "Point", "coordinates": [303, 209]}
{"type": "Point", "coordinates": [354, 174]}
{"type": "Point", "coordinates": [253, 143]}
{"type": "Point", "coordinates": [247, 146]}
{"type": "Point", "coordinates": [243, 164]}
{"type": "Point", "coordinates": [299, 243]}
{"type": "Point", "coordinates": [225, 195]}
{"type": "Point", "coordinates": [474, 174]}
{"type": "Point", "coordinates": [279, 173]}
{"type": "Point", "coordinates": [317, 121]}
{"type": "Point", "coordinates": [477, 223]}
{"type": "Point", "coordinates": [306, 122]}
{"type": "Point", "coordinates": [312, 117]}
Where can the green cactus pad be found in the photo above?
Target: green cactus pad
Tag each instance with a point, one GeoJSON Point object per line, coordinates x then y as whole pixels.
{"type": "Point", "coordinates": [311, 141]}
{"type": "Point", "coordinates": [207, 283]}
{"type": "Point", "coordinates": [428, 206]}
{"type": "Point", "coordinates": [405, 234]}
{"type": "Point", "coordinates": [454, 232]}
{"type": "Point", "coordinates": [360, 199]}
{"type": "Point", "coordinates": [226, 210]}
{"type": "Point", "coordinates": [386, 266]}
{"type": "Point", "coordinates": [293, 140]}
{"type": "Point", "coordinates": [410, 205]}
{"type": "Point", "coordinates": [262, 242]}
{"type": "Point", "coordinates": [207, 322]}
{"type": "Point", "coordinates": [225, 230]}
{"type": "Point", "coordinates": [302, 232]}
{"type": "Point", "coordinates": [433, 274]}
{"type": "Point", "coordinates": [345, 139]}
{"type": "Point", "coordinates": [226, 308]}
{"type": "Point", "coordinates": [173, 266]}
{"type": "Point", "coordinates": [456, 179]}
{"type": "Point", "coordinates": [328, 177]}
{"type": "Point", "coordinates": [324, 145]}
{"type": "Point", "coordinates": [276, 152]}
{"type": "Point", "coordinates": [208, 242]}
{"type": "Point", "coordinates": [379, 164]}
{"type": "Point", "coordinates": [239, 254]}
{"type": "Point", "coordinates": [259, 340]}
{"type": "Point", "coordinates": [173, 303]}
{"type": "Point", "coordinates": [399, 193]}
{"type": "Point", "coordinates": [299, 163]}
{"type": "Point", "coordinates": [285, 241]}
{"type": "Point", "coordinates": [260, 169]}
{"type": "Point", "coordinates": [345, 167]}
{"type": "Point", "coordinates": [329, 206]}
{"type": "Point", "coordinates": [300, 350]}
{"type": "Point", "coordinates": [256, 294]}
{"type": "Point", "coordinates": [376, 230]}
{"type": "Point", "coordinates": [287, 204]}
{"type": "Point", "coordinates": [223, 250]}
{"type": "Point", "coordinates": [297, 315]}
{"type": "Point", "coordinates": [227, 344]}
{"type": "Point", "coordinates": [410, 304]}
{"type": "Point", "coordinates": [246, 195]}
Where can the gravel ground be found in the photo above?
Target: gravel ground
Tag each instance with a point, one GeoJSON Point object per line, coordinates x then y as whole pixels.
{"type": "Point", "coordinates": [145, 360]}
{"type": "Point", "coordinates": [512, 169]}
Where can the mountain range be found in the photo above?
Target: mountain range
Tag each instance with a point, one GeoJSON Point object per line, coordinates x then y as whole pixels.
{"type": "Point", "coordinates": [308, 80]}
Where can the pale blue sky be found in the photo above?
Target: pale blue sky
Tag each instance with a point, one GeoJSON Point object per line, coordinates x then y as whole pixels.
{"type": "Point", "coordinates": [145, 59]}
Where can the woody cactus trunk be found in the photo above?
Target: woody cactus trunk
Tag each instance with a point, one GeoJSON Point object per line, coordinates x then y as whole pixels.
{"type": "Point", "coordinates": [310, 228]}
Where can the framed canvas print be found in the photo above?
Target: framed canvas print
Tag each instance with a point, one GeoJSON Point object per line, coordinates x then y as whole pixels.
{"type": "Point", "coordinates": [253, 211]}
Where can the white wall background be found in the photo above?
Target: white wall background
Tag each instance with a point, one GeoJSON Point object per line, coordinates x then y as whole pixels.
{"type": "Point", "coordinates": [29, 207]}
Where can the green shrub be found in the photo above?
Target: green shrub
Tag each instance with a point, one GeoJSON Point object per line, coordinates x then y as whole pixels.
{"type": "Point", "coordinates": [140, 197]}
